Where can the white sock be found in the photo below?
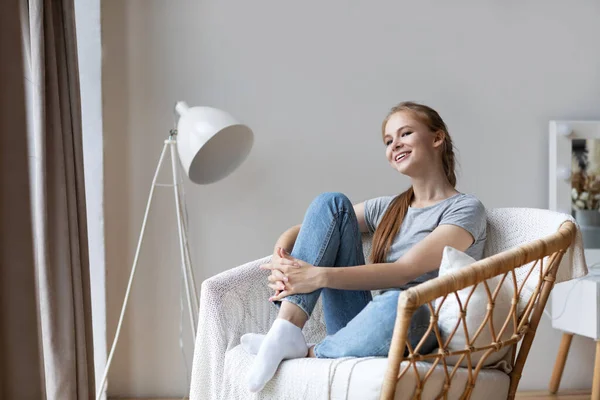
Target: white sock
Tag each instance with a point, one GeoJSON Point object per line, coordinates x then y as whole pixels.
{"type": "Point", "coordinates": [251, 342]}
{"type": "Point", "coordinates": [284, 341]}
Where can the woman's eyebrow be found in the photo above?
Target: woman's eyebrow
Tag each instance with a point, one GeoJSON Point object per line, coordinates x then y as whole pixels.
{"type": "Point", "coordinates": [398, 131]}
{"type": "Point", "coordinates": [405, 126]}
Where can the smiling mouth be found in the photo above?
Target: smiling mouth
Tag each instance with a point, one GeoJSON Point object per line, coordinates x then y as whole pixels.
{"type": "Point", "coordinates": [401, 156]}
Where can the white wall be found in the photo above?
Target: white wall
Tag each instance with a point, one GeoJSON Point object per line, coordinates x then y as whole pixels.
{"type": "Point", "coordinates": [314, 79]}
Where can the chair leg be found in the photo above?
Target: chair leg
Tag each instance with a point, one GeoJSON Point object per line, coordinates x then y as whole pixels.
{"type": "Point", "coordinates": [596, 383]}
{"type": "Point", "coordinates": [561, 360]}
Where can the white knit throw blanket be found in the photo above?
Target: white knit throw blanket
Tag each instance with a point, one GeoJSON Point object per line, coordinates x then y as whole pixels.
{"type": "Point", "coordinates": [234, 302]}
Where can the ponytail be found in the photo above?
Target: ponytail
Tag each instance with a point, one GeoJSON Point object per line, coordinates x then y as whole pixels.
{"type": "Point", "coordinates": [389, 226]}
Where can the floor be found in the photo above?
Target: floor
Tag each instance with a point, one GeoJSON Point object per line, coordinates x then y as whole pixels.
{"type": "Point", "coordinates": [563, 395]}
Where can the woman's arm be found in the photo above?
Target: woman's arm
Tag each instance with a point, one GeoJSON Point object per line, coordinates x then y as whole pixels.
{"type": "Point", "coordinates": [359, 210]}
{"type": "Point", "coordinates": [287, 239]}
{"type": "Point", "coordinates": [423, 257]}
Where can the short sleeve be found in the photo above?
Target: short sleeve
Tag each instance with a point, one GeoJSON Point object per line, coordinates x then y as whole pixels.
{"type": "Point", "coordinates": [374, 210]}
{"type": "Point", "coordinates": [468, 213]}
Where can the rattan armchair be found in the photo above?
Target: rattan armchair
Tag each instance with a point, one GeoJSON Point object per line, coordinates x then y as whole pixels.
{"type": "Point", "coordinates": [541, 258]}
{"type": "Point", "coordinates": [524, 247]}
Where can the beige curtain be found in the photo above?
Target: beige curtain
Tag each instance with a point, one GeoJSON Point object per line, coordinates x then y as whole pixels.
{"type": "Point", "coordinates": [20, 372]}
{"type": "Point", "coordinates": [58, 198]}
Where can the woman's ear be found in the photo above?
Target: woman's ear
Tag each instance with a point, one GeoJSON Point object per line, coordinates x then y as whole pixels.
{"type": "Point", "coordinates": [440, 137]}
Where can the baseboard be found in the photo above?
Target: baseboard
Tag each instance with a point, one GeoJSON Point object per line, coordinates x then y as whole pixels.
{"type": "Point", "coordinates": [561, 395]}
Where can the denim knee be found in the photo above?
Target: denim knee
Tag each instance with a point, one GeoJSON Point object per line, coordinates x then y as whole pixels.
{"type": "Point", "coordinates": [333, 201]}
{"type": "Point", "coordinates": [370, 332]}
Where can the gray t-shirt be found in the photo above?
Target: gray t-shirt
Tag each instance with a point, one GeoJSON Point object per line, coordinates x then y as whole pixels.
{"type": "Point", "coordinates": [462, 209]}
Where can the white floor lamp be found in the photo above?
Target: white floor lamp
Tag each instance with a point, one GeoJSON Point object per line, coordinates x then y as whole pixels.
{"type": "Point", "coordinates": [211, 144]}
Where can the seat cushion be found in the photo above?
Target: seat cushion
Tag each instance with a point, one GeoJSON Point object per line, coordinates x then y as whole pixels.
{"type": "Point", "coordinates": [351, 378]}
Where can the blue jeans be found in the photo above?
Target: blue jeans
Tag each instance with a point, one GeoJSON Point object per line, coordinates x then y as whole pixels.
{"type": "Point", "coordinates": [357, 325]}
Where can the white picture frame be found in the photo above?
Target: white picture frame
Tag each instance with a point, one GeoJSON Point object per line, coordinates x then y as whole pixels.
{"type": "Point", "coordinates": [562, 133]}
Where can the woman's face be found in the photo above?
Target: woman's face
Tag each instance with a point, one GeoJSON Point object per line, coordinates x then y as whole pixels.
{"type": "Point", "coordinates": [410, 146]}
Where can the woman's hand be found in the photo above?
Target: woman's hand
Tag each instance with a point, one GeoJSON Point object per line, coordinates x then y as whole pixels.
{"type": "Point", "coordinates": [277, 279]}
{"type": "Point", "coordinates": [295, 275]}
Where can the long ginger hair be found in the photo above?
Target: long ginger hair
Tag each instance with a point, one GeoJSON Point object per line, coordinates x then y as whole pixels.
{"type": "Point", "coordinates": [392, 219]}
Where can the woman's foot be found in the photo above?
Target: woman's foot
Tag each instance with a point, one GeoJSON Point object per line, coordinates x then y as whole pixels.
{"type": "Point", "coordinates": [284, 341]}
{"type": "Point", "coordinates": [251, 342]}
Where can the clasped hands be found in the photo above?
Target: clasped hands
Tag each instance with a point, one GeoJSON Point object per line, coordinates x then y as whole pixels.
{"type": "Point", "coordinates": [290, 275]}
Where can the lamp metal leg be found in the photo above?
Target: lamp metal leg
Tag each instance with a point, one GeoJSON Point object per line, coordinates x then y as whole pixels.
{"type": "Point", "coordinates": [192, 278]}
{"type": "Point", "coordinates": [132, 274]}
{"type": "Point", "coordinates": [172, 143]}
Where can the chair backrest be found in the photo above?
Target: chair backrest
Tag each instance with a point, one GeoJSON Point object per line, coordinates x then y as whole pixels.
{"type": "Point", "coordinates": [511, 227]}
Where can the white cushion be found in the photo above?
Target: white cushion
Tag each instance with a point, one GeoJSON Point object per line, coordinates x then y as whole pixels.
{"type": "Point", "coordinates": [352, 379]}
{"type": "Point", "coordinates": [476, 310]}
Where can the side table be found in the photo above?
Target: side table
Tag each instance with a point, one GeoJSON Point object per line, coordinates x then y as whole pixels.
{"type": "Point", "coordinates": [576, 311]}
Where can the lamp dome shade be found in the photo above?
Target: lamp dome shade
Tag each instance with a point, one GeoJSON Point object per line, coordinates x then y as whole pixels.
{"type": "Point", "coordinates": [210, 142]}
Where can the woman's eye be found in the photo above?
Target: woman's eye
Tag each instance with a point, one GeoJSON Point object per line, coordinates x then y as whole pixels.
{"type": "Point", "coordinates": [388, 142]}
{"type": "Point", "coordinates": [406, 133]}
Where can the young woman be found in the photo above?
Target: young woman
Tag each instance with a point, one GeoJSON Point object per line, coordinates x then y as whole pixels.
{"type": "Point", "coordinates": [410, 232]}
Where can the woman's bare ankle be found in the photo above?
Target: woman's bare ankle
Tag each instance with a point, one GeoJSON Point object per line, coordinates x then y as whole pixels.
{"type": "Point", "coordinates": [291, 312]}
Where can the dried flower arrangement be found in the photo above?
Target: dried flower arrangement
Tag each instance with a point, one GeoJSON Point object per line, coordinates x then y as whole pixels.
{"type": "Point", "coordinates": [585, 182]}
